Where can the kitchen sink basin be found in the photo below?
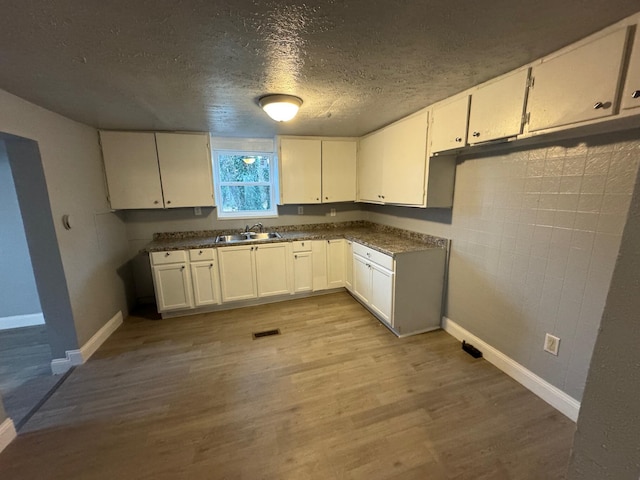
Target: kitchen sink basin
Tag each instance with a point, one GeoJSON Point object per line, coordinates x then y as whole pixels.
{"type": "Point", "coordinates": [246, 237]}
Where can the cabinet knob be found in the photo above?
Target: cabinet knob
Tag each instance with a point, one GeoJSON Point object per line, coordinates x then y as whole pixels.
{"type": "Point", "coordinates": [317, 199]}
{"type": "Point", "coordinates": [295, 256]}
{"type": "Point", "coordinates": [381, 196]}
{"type": "Point", "coordinates": [368, 254]}
{"type": "Point", "coordinates": [458, 139]}
{"type": "Point", "coordinates": [168, 202]}
{"type": "Point", "coordinates": [200, 252]}
{"type": "Point", "coordinates": [155, 202]}
{"type": "Point", "coordinates": [167, 254]}
{"type": "Point", "coordinates": [598, 105]}
{"type": "Point", "coordinates": [326, 198]}
{"type": "Point", "coordinates": [476, 134]}
{"type": "Point", "coordinates": [211, 265]}
{"type": "Point", "coordinates": [303, 244]}
{"type": "Point", "coordinates": [635, 94]}
{"type": "Point", "coordinates": [182, 267]}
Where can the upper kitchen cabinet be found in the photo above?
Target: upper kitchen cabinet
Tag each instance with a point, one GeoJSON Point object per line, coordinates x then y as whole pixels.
{"type": "Point", "coordinates": [370, 158]}
{"type": "Point", "coordinates": [631, 92]}
{"type": "Point", "coordinates": [497, 108]}
{"type": "Point", "coordinates": [314, 170]}
{"type": "Point", "coordinates": [392, 162]}
{"type": "Point", "coordinates": [300, 170]}
{"type": "Point", "coordinates": [405, 155]}
{"type": "Point", "coordinates": [338, 170]}
{"type": "Point", "coordinates": [185, 167]}
{"type": "Point", "coordinates": [579, 85]}
{"type": "Point", "coordinates": [131, 167]}
{"type": "Point", "coordinates": [157, 170]}
{"type": "Point", "coordinates": [449, 125]}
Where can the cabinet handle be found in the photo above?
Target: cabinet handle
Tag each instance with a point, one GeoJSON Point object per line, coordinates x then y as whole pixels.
{"type": "Point", "coordinates": [155, 202]}
{"type": "Point", "coordinates": [317, 199]}
{"type": "Point", "coordinates": [200, 252]}
{"type": "Point", "coordinates": [382, 196]}
{"type": "Point", "coordinates": [168, 202]}
{"type": "Point", "coordinates": [598, 105]}
{"type": "Point", "coordinates": [458, 139]}
{"type": "Point", "coordinates": [368, 254]}
{"type": "Point", "coordinates": [303, 244]}
{"type": "Point", "coordinates": [476, 134]}
{"type": "Point", "coordinates": [635, 94]}
{"type": "Point", "coordinates": [211, 265]}
{"type": "Point", "coordinates": [182, 267]}
{"type": "Point", "coordinates": [256, 248]}
{"type": "Point", "coordinates": [167, 254]}
{"type": "Point", "coordinates": [295, 256]}
{"type": "Point", "coordinates": [326, 198]}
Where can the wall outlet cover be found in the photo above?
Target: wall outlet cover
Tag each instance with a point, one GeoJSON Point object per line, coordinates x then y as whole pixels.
{"type": "Point", "coordinates": [551, 344]}
{"type": "Point", "coordinates": [333, 212]}
{"type": "Point", "coordinates": [197, 210]}
{"type": "Point", "coordinates": [300, 210]}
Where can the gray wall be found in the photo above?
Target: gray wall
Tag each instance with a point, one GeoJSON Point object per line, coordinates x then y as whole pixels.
{"type": "Point", "coordinates": [142, 224]}
{"type": "Point", "coordinates": [3, 414]}
{"type": "Point", "coordinates": [94, 252]}
{"type": "Point", "coordinates": [17, 283]}
{"type": "Point", "coordinates": [535, 233]}
{"type": "Point", "coordinates": [607, 444]}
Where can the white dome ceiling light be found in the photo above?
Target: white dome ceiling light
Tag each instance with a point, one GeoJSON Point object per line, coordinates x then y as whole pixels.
{"type": "Point", "coordinates": [281, 108]}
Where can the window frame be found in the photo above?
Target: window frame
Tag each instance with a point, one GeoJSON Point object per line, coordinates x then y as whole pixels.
{"type": "Point", "coordinates": [218, 184]}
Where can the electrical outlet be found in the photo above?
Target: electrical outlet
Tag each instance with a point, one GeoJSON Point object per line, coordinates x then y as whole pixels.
{"type": "Point", "coordinates": [197, 210]}
{"type": "Point", "coordinates": [333, 212]}
{"type": "Point", "coordinates": [551, 344]}
{"type": "Point", "coordinates": [300, 210]}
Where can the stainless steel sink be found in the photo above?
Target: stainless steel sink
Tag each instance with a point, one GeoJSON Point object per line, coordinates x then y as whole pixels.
{"type": "Point", "coordinates": [246, 237]}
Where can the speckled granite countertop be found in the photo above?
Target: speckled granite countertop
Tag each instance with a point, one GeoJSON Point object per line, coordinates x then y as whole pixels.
{"type": "Point", "coordinates": [389, 240]}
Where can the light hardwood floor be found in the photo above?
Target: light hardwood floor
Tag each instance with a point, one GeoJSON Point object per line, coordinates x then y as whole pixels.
{"type": "Point", "coordinates": [335, 396]}
{"type": "Point", "coordinates": [25, 369]}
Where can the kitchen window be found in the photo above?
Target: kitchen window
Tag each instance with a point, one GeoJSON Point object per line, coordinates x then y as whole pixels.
{"type": "Point", "coordinates": [244, 184]}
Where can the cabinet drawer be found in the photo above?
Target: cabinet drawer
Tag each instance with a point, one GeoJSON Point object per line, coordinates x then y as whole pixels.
{"type": "Point", "coordinates": [302, 246]}
{"type": "Point", "coordinates": [174, 256]}
{"type": "Point", "coordinates": [202, 254]}
{"type": "Point", "coordinates": [380, 258]}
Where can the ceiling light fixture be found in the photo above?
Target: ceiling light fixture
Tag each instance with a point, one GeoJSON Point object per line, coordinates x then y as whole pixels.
{"type": "Point", "coordinates": [281, 108]}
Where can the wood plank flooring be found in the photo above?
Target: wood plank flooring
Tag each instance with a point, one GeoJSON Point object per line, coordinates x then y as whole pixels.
{"type": "Point", "coordinates": [25, 369]}
{"type": "Point", "coordinates": [335, 396]}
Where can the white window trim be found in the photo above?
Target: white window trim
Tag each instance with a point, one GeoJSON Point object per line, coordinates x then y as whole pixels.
{"type": "Point", "coordinates": [273, 184]}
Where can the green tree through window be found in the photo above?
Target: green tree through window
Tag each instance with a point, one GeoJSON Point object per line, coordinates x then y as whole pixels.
{"type": "Point", "coordinates": [244, 184]}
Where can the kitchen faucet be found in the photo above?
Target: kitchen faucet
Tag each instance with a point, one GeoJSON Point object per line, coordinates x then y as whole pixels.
{"type": "Point", "coordinates": [259, 225]}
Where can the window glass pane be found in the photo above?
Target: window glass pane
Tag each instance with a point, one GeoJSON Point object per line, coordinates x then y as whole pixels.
{"type": "Point", "coordinates": [244, 168]}
{"type": "Point", "coordinates": [245, 198]}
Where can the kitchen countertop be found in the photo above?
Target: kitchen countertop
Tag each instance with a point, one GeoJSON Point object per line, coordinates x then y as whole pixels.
{"type": "Point", "coordinates": [389, 240]}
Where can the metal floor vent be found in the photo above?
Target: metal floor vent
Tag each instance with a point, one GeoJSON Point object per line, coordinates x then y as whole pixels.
{"type": "Point", "coordinates": [266, 333]}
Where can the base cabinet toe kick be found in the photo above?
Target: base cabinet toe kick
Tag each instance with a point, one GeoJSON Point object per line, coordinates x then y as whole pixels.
{"type": "Point", "coordinates": [403, 291]}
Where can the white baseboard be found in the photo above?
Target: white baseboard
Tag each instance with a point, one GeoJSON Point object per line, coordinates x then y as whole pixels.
{"type": "Point", "coordinates": [80, 356]}
{"type": "Point", "coordinates": [7, 433]}
{"type": "Point", "coordinates": [555, 397]}
{"type": "Point", "coordinates": [18, 321]}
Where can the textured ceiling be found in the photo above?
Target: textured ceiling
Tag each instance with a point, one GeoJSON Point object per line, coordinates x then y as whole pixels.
{"type": "Point", "coordinates": [202, 64]}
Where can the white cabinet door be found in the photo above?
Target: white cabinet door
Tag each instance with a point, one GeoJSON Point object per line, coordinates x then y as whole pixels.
{"type": "Point", "coordinates": [449, 125]}
{"type": "Point", "coordinates": [497, 108]}
{"type": "Point", "coordinates": [185, 166]}
{"type": "Point", "coordinates": [381, 299]}
{"type": "Point", "coordinates": [579, 85]}
{"type": "Point", "coordinates": [319, 258]}
{"type": "Point", "coordinates": [338, 170]}
{"type": "Point", "coordinates": [348, 262]}
{"type": "Point", "coordinates": [300, 170]}
{"type": "Point", "coordinates": [370, 161]}
{"type": "Point", "coordinates": [631, 92]}
{"type": "Point", "coordinates": [131, 168]}
{"type": "Point", "coordinates": [237, 273]}
{"type": "Point", "coordinates": [204, 276]}
{"type": "Point", "coordinates": [302, 272]}
{"type": "Point", "coordinates": [405, 156]}
{"type": "Point", "coordinates": [173, 288]}
{"type": "Point", "coordinates": [272, 270]}
{"type": "Point", "coordinates": [362, 278]}
{"type": "Point", "coordinates": [335, 263]}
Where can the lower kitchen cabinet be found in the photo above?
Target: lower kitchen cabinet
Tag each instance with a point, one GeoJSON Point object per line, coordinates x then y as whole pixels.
{"type": "Point", "coordinates": [405, 291]}
{"type": "Point", "coordinates": [204, 276]}
{"type": "Point", "coordinates": [319, 261]}
{"type": "Point", "coordinates": [302, 267]}
{"type": "Point", "coordinates": [237, 273]}
{"type": "Point", "coordinates": [171, 281]}
{"type": "Point", "coordinates": [335, 263]}
{"type": "Point", "coordinates": [348, 265]}
{"type": "Point", "coordinates": [272, 272]}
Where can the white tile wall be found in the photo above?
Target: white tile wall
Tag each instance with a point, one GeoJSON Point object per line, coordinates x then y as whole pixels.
{"type": "Point", "coordinates": [535, 237]}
